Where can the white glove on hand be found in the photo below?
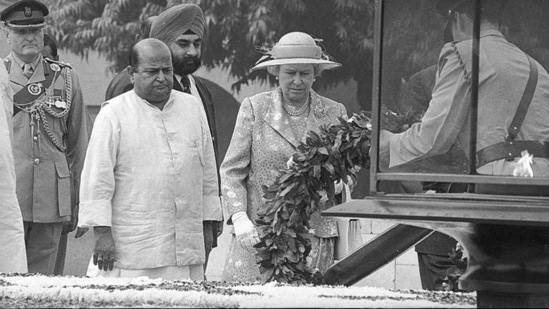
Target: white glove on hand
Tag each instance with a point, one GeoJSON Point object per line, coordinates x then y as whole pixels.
{"type": "Point", "coordinates": [246, 234]}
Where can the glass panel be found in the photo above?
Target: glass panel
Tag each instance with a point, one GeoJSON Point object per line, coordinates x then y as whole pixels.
{"type": "Point", "coordinates": [427, 94]}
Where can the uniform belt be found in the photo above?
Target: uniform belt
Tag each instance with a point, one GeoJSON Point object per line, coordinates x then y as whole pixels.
{"type": "Point", "coordinates": [510, 150]}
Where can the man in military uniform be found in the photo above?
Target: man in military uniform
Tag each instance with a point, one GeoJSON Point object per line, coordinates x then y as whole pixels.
{"type": "Point", "coordinates": [51, 131]}
{"type": "Point", "coordinates": [513, 91]}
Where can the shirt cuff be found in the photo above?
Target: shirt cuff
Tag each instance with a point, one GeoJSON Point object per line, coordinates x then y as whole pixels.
{"type": "Point", "coordinates": [95, 213]}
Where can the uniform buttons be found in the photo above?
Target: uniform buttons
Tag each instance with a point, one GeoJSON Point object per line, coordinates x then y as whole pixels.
{"type": "Point", "coordinates": [36, 161]}
{"type": "Point", "coordinates": [170, 136]}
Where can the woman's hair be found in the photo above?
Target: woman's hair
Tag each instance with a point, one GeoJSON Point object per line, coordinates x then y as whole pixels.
{"type": "Point", "coordinates": [275, 69]}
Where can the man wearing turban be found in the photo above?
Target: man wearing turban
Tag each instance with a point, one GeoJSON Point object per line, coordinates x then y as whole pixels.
{"type": "Point", "coordinates": [181, 27]}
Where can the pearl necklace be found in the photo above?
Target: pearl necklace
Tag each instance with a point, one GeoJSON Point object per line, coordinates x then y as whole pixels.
{"type": "Point", "coordinates": [293, 111]}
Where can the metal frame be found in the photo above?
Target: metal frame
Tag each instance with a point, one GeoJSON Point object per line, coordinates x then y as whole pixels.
{"type": "Point", "coordinates": [473, 178]}
{"type": "Point", "coordinates": [376, 97]}
{"type": "Point", "coordinates": [458, 209]}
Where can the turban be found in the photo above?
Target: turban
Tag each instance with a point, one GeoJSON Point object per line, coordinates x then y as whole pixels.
{"type": "Point", "coordinates": [177, 20]}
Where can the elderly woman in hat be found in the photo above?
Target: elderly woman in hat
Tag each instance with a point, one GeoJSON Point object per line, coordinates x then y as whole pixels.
{"type": "Point", "coordinates": [269, 127]}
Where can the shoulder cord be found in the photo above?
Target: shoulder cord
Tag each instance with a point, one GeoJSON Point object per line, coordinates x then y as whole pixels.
{"type": "Point", "coordinates": [467, 76]}
{"type": "Point", "coordinates": [40, 108]}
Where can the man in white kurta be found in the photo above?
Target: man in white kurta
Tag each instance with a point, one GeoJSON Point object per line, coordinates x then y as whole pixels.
{"type": "Point", "coordinates": [150, 175]}
{"type": "Point", "coordinates": [13, 257]}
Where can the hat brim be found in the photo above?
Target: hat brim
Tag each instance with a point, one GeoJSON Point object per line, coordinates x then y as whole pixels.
{"type": "Point", "coordinates": [5, 13]}
{"type": "Point", "coordinates": [30, 26]}
{"type": "Point", "coordinates": [325, 64]}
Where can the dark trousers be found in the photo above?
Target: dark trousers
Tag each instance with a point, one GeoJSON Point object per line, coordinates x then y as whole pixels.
{"type": "Point", "coordinates": [209, 229]}
{"type": "Point", "coordinates": [433, 270]}
{"type": "Point", "coordinates": [61, 255]}
{"type": "Point", "coordinates": [42, 243]}
{"type": "Point", "coordinates": [434, 260]}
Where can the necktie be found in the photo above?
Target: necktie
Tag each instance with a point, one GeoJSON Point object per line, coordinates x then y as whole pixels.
{"type": "Point", "coordinates": [186, 84]}
{"type": "Point", "coordinates": [27, 70]}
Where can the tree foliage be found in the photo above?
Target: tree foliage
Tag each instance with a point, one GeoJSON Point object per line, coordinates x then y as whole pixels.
{"type": "Point", "coordinates": [110, 27]}
{"type": "Point", "coordinates": [236, 28]}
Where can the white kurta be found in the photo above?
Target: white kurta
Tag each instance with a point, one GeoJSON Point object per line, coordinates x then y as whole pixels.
{"type": "Point", "coordinates": [150, 174]}
{"type": "Point", "coordinates": [13, 257]}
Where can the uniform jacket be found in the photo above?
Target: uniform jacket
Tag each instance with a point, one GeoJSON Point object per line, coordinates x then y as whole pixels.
{"type": "Point", "coordinates": [151, 175]}
{"type": "Point", "coordinates": [504, 71]}
{"type": "Point", "coordinates": [13, 257]}
{"type": "Point", "coordinates": [45, 173]}
{"type": "Point", "coordinates": [261, 145]}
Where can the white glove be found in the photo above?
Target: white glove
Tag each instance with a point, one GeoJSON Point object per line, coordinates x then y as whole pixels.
{"type": "Point", "coordinates": [246, 234]}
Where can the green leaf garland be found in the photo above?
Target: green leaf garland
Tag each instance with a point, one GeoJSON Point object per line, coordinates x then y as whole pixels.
{"type": "Point", "coordinates": [304, 187]}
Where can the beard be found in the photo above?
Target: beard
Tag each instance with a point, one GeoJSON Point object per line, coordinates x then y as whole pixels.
{"type": "Point", "coordinates": [185, 65]}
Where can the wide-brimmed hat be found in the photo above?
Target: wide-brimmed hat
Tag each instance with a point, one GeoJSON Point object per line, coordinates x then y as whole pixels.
{"type": "Point", "coordinates": [296, 48]}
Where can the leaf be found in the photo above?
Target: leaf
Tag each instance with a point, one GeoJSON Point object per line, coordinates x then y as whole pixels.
{"type": "Point", "coordinates": [329, 167]}
{"type": "Point", "coordinates": [323, 150]}
{"type": "Point", "coordinates": [291, 233]}
{"type": "Point", "coordinates": [300, 247]}
{"type": "Point", "coordinates": [290, 255]}
{"type": "Point", "coordinates": [316, 171]}
{"type": "Point", "coordinates": [268, 273]}
{"type": "Point", "coordinates": [287, 189]}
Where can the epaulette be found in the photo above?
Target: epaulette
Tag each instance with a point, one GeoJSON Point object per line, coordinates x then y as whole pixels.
{"type": "Point", "coordinates": [59, 63]}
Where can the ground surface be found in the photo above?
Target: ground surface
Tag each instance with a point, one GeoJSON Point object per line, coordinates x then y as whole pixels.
{"type": "Point", "coordinates": [26, 291]}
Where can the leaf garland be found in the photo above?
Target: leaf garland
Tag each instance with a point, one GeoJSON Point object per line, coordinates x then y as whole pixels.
{"type": "Point", "coordinates": [400, 119]}
{"type": "Point", "coordinates": [306, 186]}
{"type": "Point", "coordinates": [459, 266]}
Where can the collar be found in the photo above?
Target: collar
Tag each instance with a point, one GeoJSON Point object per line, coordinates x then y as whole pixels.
{"type": "Point", "coordinates": [178, 77]}
{"type": "Point", "coordinates": [20, 62]}
{"type": "Point", "coordinates": [166, 107]}
{"type": "Point", "coordinates": [277, 118]}
{"type": "Point", "coordinates": [483, 34]}
{"type": "Point", "coordinates": [490, 32]}
{"type": "Point", "coordinates": [318, 108]}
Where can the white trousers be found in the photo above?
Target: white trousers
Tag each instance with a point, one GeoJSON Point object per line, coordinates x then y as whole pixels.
{"type": "Point", "coordinates": [191, 272]}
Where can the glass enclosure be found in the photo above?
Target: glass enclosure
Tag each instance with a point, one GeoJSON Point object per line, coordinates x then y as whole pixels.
{"type": "Point", "coordinates": [460, 94]}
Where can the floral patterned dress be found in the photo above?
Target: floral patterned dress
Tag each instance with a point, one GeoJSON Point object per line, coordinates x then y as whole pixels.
{"type": "Point", "coordinates": [265, 137]}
